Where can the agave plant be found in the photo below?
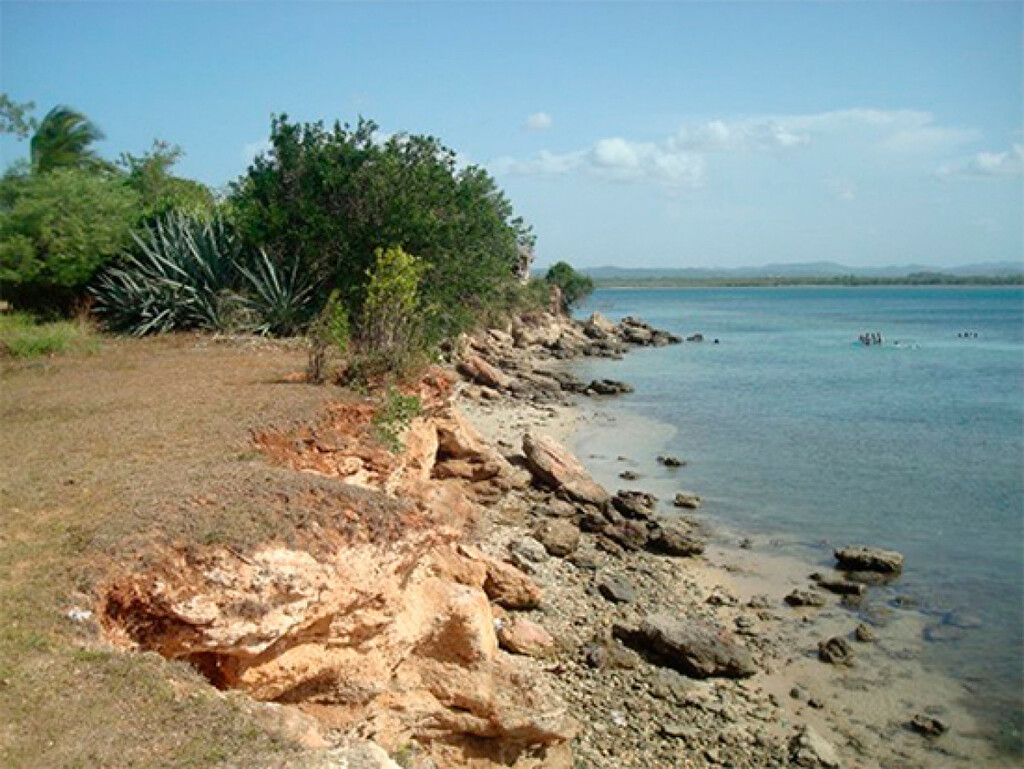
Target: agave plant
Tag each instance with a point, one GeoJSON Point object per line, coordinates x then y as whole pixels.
{"type": "Point", "coordinates": [279, 298]}
{"type": "Point", "coordinates": [182, 275]}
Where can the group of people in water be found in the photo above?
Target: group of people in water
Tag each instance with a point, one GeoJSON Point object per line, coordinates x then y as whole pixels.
{"type": "Point", "coordinates": [967, 335]}
{"type": "Point", "coordinates": [870, 338]}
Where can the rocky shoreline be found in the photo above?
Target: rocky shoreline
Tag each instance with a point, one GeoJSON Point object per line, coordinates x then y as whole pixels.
{"type": "Point", "coordinates": [675, 661]}
{"type": "Point", "coordinates": [480, 600]}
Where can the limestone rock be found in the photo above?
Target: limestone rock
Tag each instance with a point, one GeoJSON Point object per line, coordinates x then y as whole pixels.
{"type": "Point", "coordinates": [362, 755]}
{"type": "Point", "coordinates": [509, 587]}
{"type": "Point", "coordinates": [687, 499]}
{"type": "Point", "coordinates": [691, 646]}
{"type": "Point", "coordinates": [608, 387]}
{"type": "Point", "coordinates": [835, 651]}
{"type": "Point", "coordinates": [630, 535]}
{"type": "Point", "coordinates": [927, 725]}
{"type": "Point", "coordinates": [673, 539]}
{"type": "Point", "coordinates": [616, 589]}
{"type": "Point", "coordinates": [865, 633]}
{"type": "Point", "coordinates": [670, 461]}
{"type": "Point", "coordinates": [862, 558]}
{"type": "Point", "coordinates": [521, 636]}
{"type": "Point", "coordinates": [476, 369]}
{"type": "Point", "coordinates": [839, 586]}
{"type": "Point", "coordinates": [556, 467]}
{"type": "Point", "coordinates": [809, 749]}
{"type": "Point", "coordinates": [635, 504]}
{"type": "Point", "coordinates": [559, 536]}
{"type": "Point", "coordinates": [805, 598]}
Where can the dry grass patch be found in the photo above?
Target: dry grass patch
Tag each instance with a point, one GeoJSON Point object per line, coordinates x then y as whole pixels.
{"type": "Point", "coordinates": [104, 460]}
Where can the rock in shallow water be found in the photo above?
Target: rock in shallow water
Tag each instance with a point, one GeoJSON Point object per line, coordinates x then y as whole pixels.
{"type": "Point", "coordinates": [835, 651]}
{"type": "Point", "coordinates": [928, 725]}
{"type": "Point", "coordinates": [805, 598]}
{"type": "Point", "coordinates": [635, 504]}
{"type": "Point", "coordinates": [809, 749]}
{"type": "Point", "coordinates": [687, 499]}
{"type": "Point", "coordinates": [691, 646]}
{"type": "Point", "coordinates": [862, 558]}
{"type": "Point", "coordinates": [672, 539]}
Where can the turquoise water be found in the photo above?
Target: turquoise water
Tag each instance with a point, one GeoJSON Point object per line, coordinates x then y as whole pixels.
{"type": "Point", "coordinates": [794, 429]}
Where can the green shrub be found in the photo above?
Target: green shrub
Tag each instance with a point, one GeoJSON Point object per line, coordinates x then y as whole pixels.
{"type": "Point", "coordinates": [394, 416]}
{"type": "Point", "coordinates": [575, 286]}
{"type": "Point", "coordinates": [390, 337]}
{"type": "Point", "coordinates": [57, 229]}
{"type": "Point", "coordinates": [22, 337]}
{"type": "Point", "coordinates": [330, 331]}
{"type": "Point", "coordinates": [181, 276]}
{"type": "Point", "coordinates": [327, 199]}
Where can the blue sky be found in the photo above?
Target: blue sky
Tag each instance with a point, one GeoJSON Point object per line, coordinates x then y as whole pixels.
{"type": "Point", "coordinates": [654, 134]}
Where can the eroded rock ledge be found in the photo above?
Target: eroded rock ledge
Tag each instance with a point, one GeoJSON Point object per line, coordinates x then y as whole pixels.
{"type": "Point", "coordinates": [395, 639]}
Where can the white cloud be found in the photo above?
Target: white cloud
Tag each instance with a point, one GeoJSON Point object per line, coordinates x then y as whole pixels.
{"type": "Point", "coordinates": [252, 149]}
{"type": "Point", "coordinates": [744, 135]}
{"type": "Point", "coordinates": [681, 159]}
{"type": "Point", "coordinates": [988, 164]}
{"type": "Point", "coordinates": [842, 187]}
{"type": "Point", "coordinates": [538, 121]}
{"type": "Point", "coordinates": [615, 159]}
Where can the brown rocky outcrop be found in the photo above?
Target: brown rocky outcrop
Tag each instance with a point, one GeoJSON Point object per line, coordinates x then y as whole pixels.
{"type": "Point", "coordinates": [557, 468]}
{"type": "Point", "coordinates": [691, 646]}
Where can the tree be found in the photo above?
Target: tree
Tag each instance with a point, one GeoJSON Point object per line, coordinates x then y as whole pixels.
{"type": "Point", "coordinates": [575, 286]}
{"type": "Point", "coordinates": [15, 118]}
{"type": "Point", "coordinates": [149, 174]}
{"type": "Point", "coordinates": [64, 139]}
{"type": "Point", "coordinates": [58, 228]}
{"type": "Point", "coordinates": [329, 198]}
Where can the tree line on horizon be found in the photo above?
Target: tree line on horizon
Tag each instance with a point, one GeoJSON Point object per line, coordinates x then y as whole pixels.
{"type": "Point", "coordinates": [330, 220]}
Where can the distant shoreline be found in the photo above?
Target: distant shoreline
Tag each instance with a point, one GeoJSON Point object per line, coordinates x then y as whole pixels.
{"type": "Point", "coordinates": [843, 280]}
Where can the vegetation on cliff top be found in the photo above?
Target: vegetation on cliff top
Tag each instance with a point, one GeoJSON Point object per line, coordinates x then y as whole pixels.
{"type": "Point", "coordinates": [324, 212]}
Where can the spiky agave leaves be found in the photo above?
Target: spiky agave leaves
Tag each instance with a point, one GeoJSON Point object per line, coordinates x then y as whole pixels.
{"type": "Point", "coordinates": [181, 276]}
{"type": "Point", "coordinates": [280, 298]}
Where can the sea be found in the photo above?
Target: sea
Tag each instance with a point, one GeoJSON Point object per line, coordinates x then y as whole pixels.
{"type": "Point", "coordinates": [796, 432]}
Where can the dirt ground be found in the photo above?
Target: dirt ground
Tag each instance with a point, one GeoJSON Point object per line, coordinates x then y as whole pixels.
{"type": "Point", "coordinates": [104, 459]}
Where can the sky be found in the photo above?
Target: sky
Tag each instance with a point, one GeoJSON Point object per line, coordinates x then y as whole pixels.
{"type": "Point", "coordinates": [634, 134]}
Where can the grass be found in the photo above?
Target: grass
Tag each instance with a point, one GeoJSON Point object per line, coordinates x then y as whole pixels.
{"type": "Point", "coordinates": [21, 336]}
{"type": "Point", "coordinates": [103, 459]}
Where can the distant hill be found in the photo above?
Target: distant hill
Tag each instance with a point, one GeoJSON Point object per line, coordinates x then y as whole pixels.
{"type": "Point", "coordinates": [800, 271]}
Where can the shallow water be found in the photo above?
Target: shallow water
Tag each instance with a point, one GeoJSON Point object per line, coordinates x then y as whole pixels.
{"type": "Point", "coordinates": [794, 430]}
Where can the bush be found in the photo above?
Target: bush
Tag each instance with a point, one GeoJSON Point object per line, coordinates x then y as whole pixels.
{"type": "Point", "coordinates": [575, 286]}
{"type": "Point", "coordinates": [22, 337]}
{"type": "Point", "coordinates": [181, 276]}
{"type": "Point", "coordinates": [58, 229]}
{"type": "Point", "coordinates": [331, 331]}
{"type": "Point", "coordinates": [149, 174]}
{"type": "Point", "coordinates": [394, 416]}
{"type": "Point", "coordinates": [327, 199]}
{"type": "Point", "coordinates": [390, 336]}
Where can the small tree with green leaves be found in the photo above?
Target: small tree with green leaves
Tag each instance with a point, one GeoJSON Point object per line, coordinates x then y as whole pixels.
{"type": "Point", "coordinates": [390, 338]}
{"type": "Point", "coordinates": [57, 229]}
{"type": "Point", "coordinates": [149, 174]}
{"type": "Point", "coordinates": [575, 286]}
